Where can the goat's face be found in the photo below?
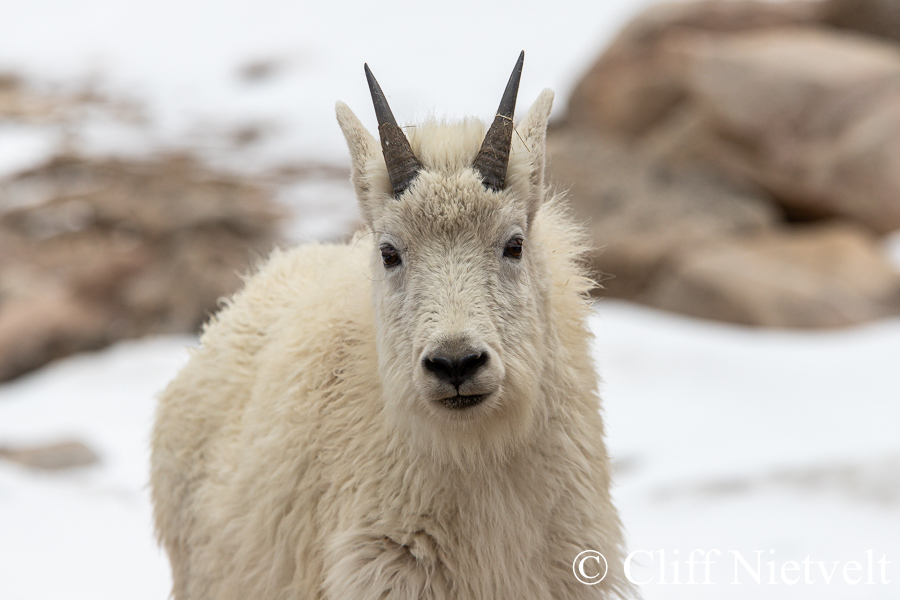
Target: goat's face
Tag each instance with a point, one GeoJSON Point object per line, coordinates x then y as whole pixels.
{"type": "Point", "coordinates": [454, 290]}
{"type": "Point", "coordinates": [460, 285]}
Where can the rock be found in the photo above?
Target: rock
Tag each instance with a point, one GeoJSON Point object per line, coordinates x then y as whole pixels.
{"type": "Point", "coordinates": [20, 104]}
{"type": "Point", "coordinates": [53, 457]}
{"type": "Point", "coordinates": [102, 250]}
{"type": "Point", "coordinates": [758, 154]}
{"type": "Point", "coordinates": [874, 17]}
{"type": "Point", "coordinates": [811, 116]}
{"type": "Point", "coordinates": [636, 82]}
{"type": "Point", "coordinates": [639, 212]}
{"type": "Point", "coordinates": [47, 323]}
{"type": "Point", "coordinates": [817, 276]}
{"type": "Point", "coordinates": [764, 93]}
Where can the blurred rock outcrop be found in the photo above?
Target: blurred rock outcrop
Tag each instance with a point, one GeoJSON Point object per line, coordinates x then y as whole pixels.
{"type": "Point", "coordinates": [640, 211]}
{"type": "Point", "coordinates": [812, 276]}
{"type": "Point", "coordinates": [811, 116]}
{"type": "Point", "coordinates": [52, 457]}
{"type": "Point", "coordinates": [738, 160]}
{"type": "Point", "coordinates": [875, 17]}
{"type": "Point", "coordinates": [637, 80]}
{"type": "Point", "coordinates": [93, 251]}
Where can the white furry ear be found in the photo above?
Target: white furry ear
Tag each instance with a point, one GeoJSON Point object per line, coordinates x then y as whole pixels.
{"type": "Point", "coordinates": [526, 171]}
{"type": "Point", "coordinates": [367, 170]}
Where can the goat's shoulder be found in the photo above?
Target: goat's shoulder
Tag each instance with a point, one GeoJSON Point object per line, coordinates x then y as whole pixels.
{"type": "Point", "coordinates": [299, 290]}
{"type": "Point", "coordinates": [303, 308]}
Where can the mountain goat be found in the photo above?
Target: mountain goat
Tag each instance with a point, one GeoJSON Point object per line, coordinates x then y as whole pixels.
{"type": "Point", "coordinates": [412, 415]}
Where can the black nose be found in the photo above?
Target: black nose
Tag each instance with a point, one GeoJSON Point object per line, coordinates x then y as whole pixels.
{"type": "Point", "coordinates": [455, 371]}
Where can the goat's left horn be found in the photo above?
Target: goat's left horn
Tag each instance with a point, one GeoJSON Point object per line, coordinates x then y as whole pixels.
{"type": "Point", "coordinates": [402, 164]}
{"type": "Point", "coordinates": [493, 158]}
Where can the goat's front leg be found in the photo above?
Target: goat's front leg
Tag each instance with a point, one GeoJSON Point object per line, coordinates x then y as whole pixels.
{"type": "Point", "coordinates": [365, 565]}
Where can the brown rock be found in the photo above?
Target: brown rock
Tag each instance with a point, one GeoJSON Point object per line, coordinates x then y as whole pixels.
{"type": "Point", "coordinates": [740, 117]}
{"type": "Point", "coordinates": [53, 457]}
{"type": "Point", "coordinates": [811, 116]}
{"type": "Point", "coordinates": [874, 17]}
{"type": "Point", "coordinates": [637, 82]}
{"type": "Point", "coordinates": [639, 212]}
{"type": "Point", "coordinates": [763, 92]}
{"type": "Point", "coordinates": [102, 250]}
{"type": "Point", "coordinates": [817, 276]}
{"type": "Point", "coordinates": [46, 323]}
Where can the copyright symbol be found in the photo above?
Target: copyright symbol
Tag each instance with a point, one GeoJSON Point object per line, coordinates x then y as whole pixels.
{"type": "Point", "coordinates": [587, 573]}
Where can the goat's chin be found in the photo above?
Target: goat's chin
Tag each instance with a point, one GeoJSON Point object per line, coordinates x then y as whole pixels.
{"type": "Point", "coordinates": [460, 430]}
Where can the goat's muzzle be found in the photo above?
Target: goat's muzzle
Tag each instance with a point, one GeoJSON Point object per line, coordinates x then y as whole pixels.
{"type": "Point", "coordinates": [460, 374]}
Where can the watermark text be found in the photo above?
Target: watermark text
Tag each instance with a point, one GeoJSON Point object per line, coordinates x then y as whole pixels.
{"type": "Point", "coordinates": [732, 567]}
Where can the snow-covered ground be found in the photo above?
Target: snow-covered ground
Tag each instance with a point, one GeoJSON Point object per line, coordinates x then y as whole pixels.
{"type": "Point", "coordinates": [750, 441]}
{"type": "Point", "coordinates": [725, 439]}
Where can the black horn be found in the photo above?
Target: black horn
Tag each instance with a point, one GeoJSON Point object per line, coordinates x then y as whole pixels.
{"type": "Point", "coordinates": [493, 158]}
{"type": "Point", "coordinates": [402, 164]}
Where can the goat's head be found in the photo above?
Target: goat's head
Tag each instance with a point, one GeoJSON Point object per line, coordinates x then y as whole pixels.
{"type": "Point", "coordinates": [460, 280]}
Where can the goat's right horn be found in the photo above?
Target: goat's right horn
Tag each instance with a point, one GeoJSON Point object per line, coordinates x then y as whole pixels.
{"type": "Point", "coordinates": [493, 158]}
{"type": "Point", "coordinates": [402, 164]}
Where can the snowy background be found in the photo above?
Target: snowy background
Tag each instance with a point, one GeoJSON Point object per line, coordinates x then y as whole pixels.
{"type": "Point", "coordinates": [725, 438]}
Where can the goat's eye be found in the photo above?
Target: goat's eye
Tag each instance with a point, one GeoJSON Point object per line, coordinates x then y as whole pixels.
{"type": "Point", "coordinates": [389, 256]}
{"type": "Point", "coordinates": [513, 248]}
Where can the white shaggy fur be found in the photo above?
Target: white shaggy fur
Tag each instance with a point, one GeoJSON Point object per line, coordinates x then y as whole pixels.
{"type": "Point", "coordinates": [304, 453]}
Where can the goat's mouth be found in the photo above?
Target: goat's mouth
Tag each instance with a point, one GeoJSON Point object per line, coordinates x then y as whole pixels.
{"type": "Point", "coordinates": [459, 402]}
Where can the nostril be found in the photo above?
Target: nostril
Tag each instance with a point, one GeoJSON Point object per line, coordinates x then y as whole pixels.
{"type": "Point", "coordinates": [455, 371]}
{"type": "Point", "coordinates": [440, 366]}
{"type": "Point", "coordinates": [470, 363]}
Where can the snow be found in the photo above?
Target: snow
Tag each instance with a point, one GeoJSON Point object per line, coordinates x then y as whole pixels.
{"type": "Point", "coordinates": [22, 147]}
{"type": "Point", "coordinates": [87, 531]}
{"type": "Point", "coordinates": [724, 438]}
{"type": "Point", "coordinates": [746, 440]}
